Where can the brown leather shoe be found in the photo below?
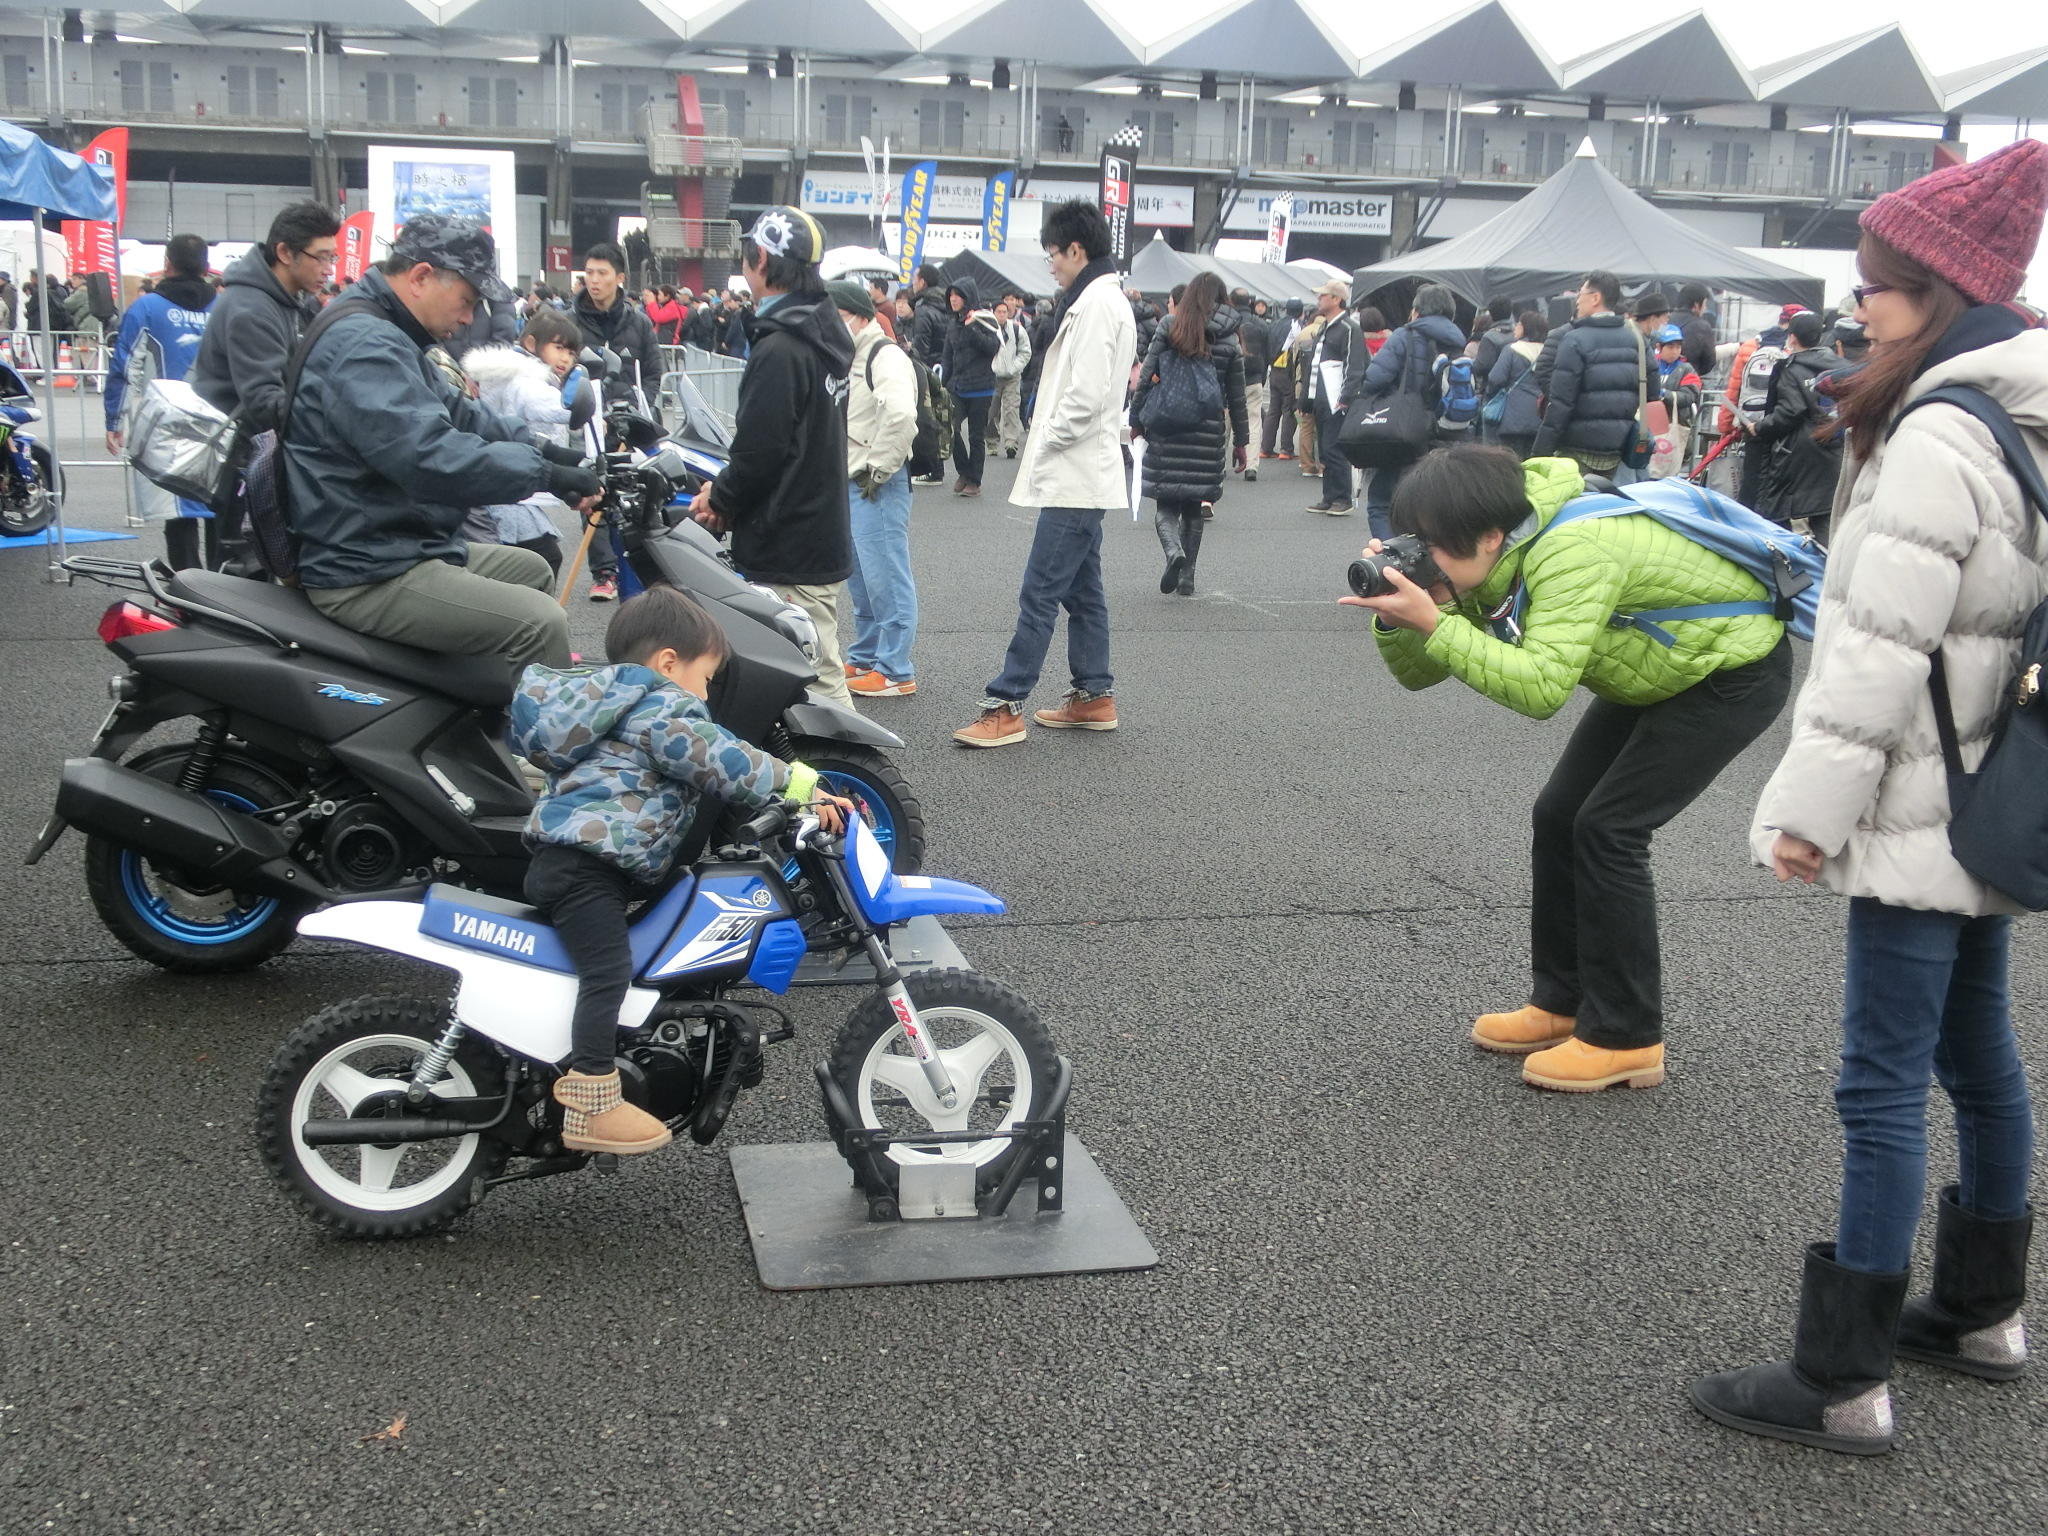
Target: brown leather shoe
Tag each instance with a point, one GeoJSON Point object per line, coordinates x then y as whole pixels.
{"type": "Point", "coordinates": [1081, 713]}
{"type": "Point", "coordinates": [995, 728]}
{"type": "Point", "coordinates": [1527, 1029]}
{"type": "Point", "coordinates": [597, 1118]}
{"type": "Point", "coordinates": [970, 490]}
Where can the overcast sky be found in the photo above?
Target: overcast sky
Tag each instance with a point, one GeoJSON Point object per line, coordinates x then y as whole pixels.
{"type": "Point", "coordinates": [1949, 35]}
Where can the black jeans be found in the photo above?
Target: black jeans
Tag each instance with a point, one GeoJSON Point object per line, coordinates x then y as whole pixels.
{"type": "Point", "coordinates": [970, 435]}
{"type": "Point", "coordinates": [586, 899]}
{"type": "Point", "coordinates": [1336, 468]}
{"type": "Point", "coordinates": [1279, 424]}
{"type": "Point", "coordinates": [1626, 772]}
{"type": "Point", "coordinates": [191, 543]}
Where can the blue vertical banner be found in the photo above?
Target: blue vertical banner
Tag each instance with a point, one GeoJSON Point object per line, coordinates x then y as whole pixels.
{"type": "Point", "coordinates": [918, 183]}
{"type": "Point", "coordinates": [995, 210]}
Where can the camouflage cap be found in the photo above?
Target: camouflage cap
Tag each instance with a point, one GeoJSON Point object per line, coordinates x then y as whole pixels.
{"type": "Point", "coordinates": [461, 246]}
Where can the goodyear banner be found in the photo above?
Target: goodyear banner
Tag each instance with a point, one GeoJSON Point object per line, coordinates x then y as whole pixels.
{"type": "Point", "coordinates": [995, 210]}
{"type": "Point", "coordinates": [353, 259]}
{"type": "Point", "coordinates": [89, 244]}
{"type": "Point", "coordinates": [918, 184]}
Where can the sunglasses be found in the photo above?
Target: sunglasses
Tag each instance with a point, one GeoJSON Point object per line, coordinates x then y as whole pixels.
{"type": "Point", "coordinates": [1864, 294]}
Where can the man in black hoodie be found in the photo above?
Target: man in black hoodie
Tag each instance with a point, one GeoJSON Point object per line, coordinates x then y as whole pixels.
{"type": "Point", "coordinates": [973, 338]}
{"type": "Point", "coordinates": [782, 493]}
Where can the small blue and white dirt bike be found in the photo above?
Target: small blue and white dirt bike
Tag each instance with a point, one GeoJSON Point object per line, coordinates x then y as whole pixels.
{"type": "Point", "coordinates": [389, 1116]}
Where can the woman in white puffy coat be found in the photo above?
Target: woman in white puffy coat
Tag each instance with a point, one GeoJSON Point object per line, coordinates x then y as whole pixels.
{"type": "Point", "coordinates": [1936, 549]}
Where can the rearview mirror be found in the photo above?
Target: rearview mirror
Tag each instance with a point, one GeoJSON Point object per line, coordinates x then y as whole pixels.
{"type": "Point", "coordinates": [582, 407]}
{"type": "Point", "coordinates": [594, 362]}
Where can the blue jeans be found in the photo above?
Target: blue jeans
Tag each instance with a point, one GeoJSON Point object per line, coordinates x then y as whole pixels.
{"type": "Point", "coordinates": [1925, 995]}
{"type": "Point", "coordinates": [884, 594]}
{"type": "Point", "coordinates": [1064, 570]}
{"type": "Point", "coordinates": [1379, 498]}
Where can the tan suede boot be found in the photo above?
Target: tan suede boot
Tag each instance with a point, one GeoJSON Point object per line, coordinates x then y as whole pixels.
{"type": "Point", "coordinates": [1527, 1029]}
{"type": "Point", "coordinates": [597, 1118]}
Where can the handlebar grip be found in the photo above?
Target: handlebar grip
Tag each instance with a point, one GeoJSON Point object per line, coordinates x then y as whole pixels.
{"type": "Point", "coordinates": [767, 824]}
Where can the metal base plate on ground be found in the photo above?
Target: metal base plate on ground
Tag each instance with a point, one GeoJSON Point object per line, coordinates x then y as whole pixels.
{"type": "Point", "coordinates": [919, 945]}
{"type": "Point", "coordinates": [810, 1228]}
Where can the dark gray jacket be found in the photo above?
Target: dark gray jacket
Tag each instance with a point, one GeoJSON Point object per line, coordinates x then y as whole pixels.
{"type": "Point", "coordinates": [493, 325]}
{"type": "Point", "coordinates": [1255, 334]}
{"type": "Point", "coordinates": [1800, 472]}
{"type": "Point", "coordinates": [1597, 377]}
{"type": "Point", "coordinates": [930, 322]}
{"type": "Point", "coordinates": [1408, 355]}
{"type": "Point", "coordinates": [972, 342]}
{"type": "Point", "coordinates": [250, 332]}
{"type": "Point", "coordinates": [384, 459]}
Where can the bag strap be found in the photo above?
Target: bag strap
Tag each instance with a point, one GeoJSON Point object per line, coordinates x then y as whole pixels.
{"type": "Point", "coordinates": [294, 366]}
{"type": "Point", "coordinates": [1944, 716]}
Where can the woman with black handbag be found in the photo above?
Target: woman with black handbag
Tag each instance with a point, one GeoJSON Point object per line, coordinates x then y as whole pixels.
{"type": "Point", "coordinates": [1187, 427]}
{"type": "Point", "coordinates": [1937, 561]}
{"type": "Point", "coordinates": [1389, 421]}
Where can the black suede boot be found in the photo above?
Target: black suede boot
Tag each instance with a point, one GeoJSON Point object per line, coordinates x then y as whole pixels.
{"type": "Point", "coordinates": [1167, 521]}
{"type": "Point", "coordinates": [1191, 543]}
{"type": "Point", "coordinates": [1971, 1319]}
{"type": "Point", "coordinates": [1832, 1392]}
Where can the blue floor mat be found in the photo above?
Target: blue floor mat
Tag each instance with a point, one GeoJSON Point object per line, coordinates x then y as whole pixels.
{"type": "Point", "coordinates": [71, 536]}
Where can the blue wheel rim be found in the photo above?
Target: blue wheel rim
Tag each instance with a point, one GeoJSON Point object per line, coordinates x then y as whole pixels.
{"type": "Point", "coordinates": [874, 810]}
{"type": "Point", "coordinates": [236, 923]}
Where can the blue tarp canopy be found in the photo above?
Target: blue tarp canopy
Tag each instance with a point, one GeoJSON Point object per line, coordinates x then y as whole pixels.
{"type": "Point", "coordinates": [36, 175]}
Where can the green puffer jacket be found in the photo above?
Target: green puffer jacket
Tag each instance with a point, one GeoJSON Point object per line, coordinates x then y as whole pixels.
{"type": "Point", "coordinates": [1577, 578]}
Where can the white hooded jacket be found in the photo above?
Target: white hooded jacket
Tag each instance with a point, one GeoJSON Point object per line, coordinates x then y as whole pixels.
{"type": "Point", "coordinates": [1934, 544]}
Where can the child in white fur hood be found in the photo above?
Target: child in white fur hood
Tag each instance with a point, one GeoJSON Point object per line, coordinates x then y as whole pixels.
{"type": "Point", "coordinates": [524, 382]}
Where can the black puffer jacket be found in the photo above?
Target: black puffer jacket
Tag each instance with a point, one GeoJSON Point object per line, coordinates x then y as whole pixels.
{"type": "Point", "coordinates": [1593, 392]}
{"type": "Point", "coordinates": [1189, 466]}
{"type": "Point", "coordinates": [1799, 473]}
{"type": "Point", "coordinates": [930, 321]}
{"type": "Point", "coordinates": [972, 342]}
{"type": "Point", "coordinates": [626, 329]}
{"type": "Point", "coordinates": [1255, 335]}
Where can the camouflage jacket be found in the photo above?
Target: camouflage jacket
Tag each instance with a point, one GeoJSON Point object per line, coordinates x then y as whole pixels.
{"type": "Point", "coordinates": [627, 755]}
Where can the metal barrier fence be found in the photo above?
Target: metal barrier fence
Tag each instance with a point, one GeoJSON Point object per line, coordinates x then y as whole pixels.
{"type": "Point", "coordinates": [77, 436]}
{"type": "Point", "coordinates": [715, 378]}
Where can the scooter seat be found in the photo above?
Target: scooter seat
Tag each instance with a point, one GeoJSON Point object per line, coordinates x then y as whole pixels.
{"type": "Point", "coordinates": [290, 615]}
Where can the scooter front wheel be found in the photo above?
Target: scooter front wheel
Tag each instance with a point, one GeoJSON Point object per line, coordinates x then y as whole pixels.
{"type": "Point", "coordinates": [876, 786]}
{"type": "Point", "coordinates": [995, 1049]}
{"type": "Point", "coordinates": [353, 1061]}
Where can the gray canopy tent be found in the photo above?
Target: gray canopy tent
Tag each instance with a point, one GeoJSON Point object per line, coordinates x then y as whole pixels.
{"type": "Point", "coordinates": [992, 272]}
{"type": "Point", "coordinates": [1584, 220]}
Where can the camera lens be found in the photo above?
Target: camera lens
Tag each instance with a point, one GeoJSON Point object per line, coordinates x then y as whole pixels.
{"type": "Point", "coordinates": [1366, 580]}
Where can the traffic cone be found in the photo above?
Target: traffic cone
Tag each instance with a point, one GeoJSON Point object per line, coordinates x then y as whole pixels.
{"type": "Point", "coordinates": [67, 377]}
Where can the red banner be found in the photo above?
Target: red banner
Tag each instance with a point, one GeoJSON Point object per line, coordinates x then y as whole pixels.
{"type": "Point", "coordinates": [354, 258]}
{"type": "Point", "coordinates": [90, 245]}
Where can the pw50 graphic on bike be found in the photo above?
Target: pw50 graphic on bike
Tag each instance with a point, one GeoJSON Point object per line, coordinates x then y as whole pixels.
{"type": "Point", "coordinates": [390, 1116]}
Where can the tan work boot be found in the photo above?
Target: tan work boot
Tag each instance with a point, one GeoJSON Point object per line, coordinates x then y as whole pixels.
{"type": "Point", "coordinates": [997, 727]}
{"type": "Point", "coordinates": [1080, 712]}
{"type": "Point", "coordinates": [1576, 1067]}
{"type": "Point", "coordinates": [1528, 1028]}
{"type": "Point", "coordinates": [597, 1118]}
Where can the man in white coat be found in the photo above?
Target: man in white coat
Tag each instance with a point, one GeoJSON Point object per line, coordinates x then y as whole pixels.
{"type": "Point", "coordinates": [1073, 472]}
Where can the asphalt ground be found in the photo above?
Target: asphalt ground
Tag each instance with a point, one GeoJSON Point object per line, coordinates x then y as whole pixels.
{"type": "Point", "coordinates": [1398, 1291]}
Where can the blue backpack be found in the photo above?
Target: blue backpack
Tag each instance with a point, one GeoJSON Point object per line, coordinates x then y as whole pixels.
{"type": "Point", "coordinates": [1457, 397]}
{"type": "Point", "coordinates": [1789, 565]}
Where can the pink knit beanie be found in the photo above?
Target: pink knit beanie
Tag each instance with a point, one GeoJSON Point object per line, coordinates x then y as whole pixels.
{"type": "Point", "coordinates": [1975, 225]}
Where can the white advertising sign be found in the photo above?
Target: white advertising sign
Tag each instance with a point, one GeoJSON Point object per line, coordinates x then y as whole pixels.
{"type": "Point", "coordinates": [1318, 213]}
{"type": "Point", "coordinates": [940, 240]}
{"type": "Point", "coordinates": [1163, 205]}
{"type": "Point", "coordinates": [474, 183]}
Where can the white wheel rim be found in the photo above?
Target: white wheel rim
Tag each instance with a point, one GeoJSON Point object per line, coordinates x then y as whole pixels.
{"type": "Point", "coordinates": [374, 1185]}
{"type": "Point", "coordinates": [969, 1062]}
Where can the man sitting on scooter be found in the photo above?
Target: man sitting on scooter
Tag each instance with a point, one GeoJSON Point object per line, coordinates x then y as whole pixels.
{"type": "Point", "coordinates": [384, 458]}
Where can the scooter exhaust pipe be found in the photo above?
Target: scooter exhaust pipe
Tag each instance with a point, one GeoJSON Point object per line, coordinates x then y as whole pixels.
{"type": "Point", "coordinates": [187, 831]}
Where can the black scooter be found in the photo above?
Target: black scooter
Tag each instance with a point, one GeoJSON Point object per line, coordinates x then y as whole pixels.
{"type": "Point", "coordinates": [332, 767]}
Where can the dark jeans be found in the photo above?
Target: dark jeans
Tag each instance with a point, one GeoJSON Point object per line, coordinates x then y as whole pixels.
{"type": "Point", "coordinates": [586, 899]}
{"type": "Point", "coordinates": [1379, 497]}
{"type": "Point", "coordinates": [1279, 425]}
{"type": "Point", "coordinates": [1925, 995]}
{"type": "Point", "coordinates": [1064, 570]}
{"type": "Point", "coordinates": [970, 435]}
{"type": "Point", "coordinates": [1336, 468]}
{"type": "Point", "coordinates": [1627, 771]}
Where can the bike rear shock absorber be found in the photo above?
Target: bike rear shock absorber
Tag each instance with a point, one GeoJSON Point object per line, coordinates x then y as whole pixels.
{"type": "Point", "coordinates": [198, 767]}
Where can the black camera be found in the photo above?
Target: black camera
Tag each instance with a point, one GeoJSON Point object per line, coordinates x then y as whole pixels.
{"type": "Point", "coordinates": [1404, 553]}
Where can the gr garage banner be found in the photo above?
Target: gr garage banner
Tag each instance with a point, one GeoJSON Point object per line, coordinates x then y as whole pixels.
{"type": "Point", "coordinates": [354, 258]}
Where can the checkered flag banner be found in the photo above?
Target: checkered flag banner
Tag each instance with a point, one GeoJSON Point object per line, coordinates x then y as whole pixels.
{"type": "Point", "coordinates": [1117, 181]}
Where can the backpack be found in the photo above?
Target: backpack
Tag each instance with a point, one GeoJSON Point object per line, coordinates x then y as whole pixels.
{"type": "Point", "coordinates": [1998, 816]}
{"type": "Point", "coordinates": [1457, 398]}
{"type": "Point", "coordinates": [1789, 565]}
{"type": "Point", "coordinates": [1754, 393]}
{"type": "Point", "coordinates": [1186, 396]}
{"type": "Point", "coordinates": [934, 416]}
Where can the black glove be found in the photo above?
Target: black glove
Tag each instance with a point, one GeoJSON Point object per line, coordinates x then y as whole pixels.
{"type": "Point", "coordinates": [555, 453]}
{"type": "Point", "coordinates": [570, 483]}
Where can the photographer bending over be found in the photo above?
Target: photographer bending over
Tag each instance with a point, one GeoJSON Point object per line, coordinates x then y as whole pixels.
{"type": "Point", "coordinates": [1525, 620]}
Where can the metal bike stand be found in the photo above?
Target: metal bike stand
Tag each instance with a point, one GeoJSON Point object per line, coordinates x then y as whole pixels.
{"type": "Point", "coordinates": [918, 945]}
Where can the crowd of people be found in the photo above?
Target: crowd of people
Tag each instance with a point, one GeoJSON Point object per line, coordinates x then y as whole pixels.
{"type": "Point", "coordinates": [411, 480]}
